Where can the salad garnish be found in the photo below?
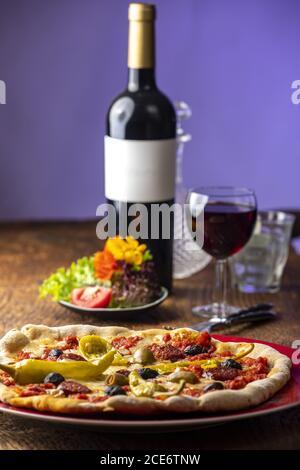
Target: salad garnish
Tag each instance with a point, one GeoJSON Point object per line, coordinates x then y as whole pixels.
{"type": "Point", "coordinates": [121, 275]}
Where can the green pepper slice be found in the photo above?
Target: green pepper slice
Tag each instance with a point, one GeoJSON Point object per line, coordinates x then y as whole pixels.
{"type": "Point", "coordinates": [35, 370]}
{"type": "Point", "coordinates": [176, 389]}
{"type": "Point", "coordinates": [140, 387]}
{"type": "Point", "coordinates": [143, 388]}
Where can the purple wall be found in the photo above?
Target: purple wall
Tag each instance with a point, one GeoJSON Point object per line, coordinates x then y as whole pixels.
{"type": "Point", "coordinates": [63, 61]}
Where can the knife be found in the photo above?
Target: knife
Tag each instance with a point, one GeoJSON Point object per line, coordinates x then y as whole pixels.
{"type": "Point", "coordinates": [243, 316]}
{"type": "Point", "coordinates": [254, 308]}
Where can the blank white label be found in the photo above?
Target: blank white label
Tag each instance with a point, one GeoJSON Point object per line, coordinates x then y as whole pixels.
{"type": "Point", "coordinates": [139, 170]}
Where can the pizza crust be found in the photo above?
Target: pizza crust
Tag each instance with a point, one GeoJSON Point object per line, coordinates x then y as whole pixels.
{"type": "Point", "coordinates": [252, 394]}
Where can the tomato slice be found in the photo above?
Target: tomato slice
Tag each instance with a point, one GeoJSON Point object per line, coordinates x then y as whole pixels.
{"type": "Point", "coordinates": [91, 297]}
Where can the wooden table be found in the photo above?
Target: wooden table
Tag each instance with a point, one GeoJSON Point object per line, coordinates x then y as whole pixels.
{"type": "Point", "coordinates": [29, 252]}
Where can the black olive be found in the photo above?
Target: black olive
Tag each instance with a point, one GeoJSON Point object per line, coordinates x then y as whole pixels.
{"type": "Point", "coordinates": [113, 390]}
{"type": "Point", "coordinates": [194, 349]}
{"type": "Point", "coordinates": [54, 378]}
{"type": "Point", "coordinates": [55, 353]}
{"type": "Point", "coordinates": [213, 386]}
{"type": "Point", "coordinates": [231, 363]}
{"type": "Point", "coordinates": [147, 373]}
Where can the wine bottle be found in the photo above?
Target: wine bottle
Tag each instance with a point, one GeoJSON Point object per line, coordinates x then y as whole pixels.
{"type": "Point", "coordinates": [140, 141]}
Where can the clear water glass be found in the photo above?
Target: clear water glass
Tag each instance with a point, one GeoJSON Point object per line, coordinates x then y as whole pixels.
{"type": "Point", "coordinates": [260, 265]}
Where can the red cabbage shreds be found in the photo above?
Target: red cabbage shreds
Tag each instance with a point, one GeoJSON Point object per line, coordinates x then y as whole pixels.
{"type": "Point", "coordinates": [135, 287]}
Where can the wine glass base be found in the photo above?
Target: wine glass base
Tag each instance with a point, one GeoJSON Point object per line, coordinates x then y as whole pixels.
{"type": "Point", "coordinates": [213, 311]}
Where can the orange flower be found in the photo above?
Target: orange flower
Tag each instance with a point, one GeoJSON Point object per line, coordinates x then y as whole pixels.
{"type": "Point", "coordinates": [105, 265]}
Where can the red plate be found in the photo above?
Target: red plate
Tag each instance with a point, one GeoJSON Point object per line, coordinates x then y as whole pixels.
{"type": "Point", "coordinates": [286, 398]}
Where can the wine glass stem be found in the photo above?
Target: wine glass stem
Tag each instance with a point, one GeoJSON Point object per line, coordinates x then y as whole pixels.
{"type": "Point", "coordinates": [221, 287]}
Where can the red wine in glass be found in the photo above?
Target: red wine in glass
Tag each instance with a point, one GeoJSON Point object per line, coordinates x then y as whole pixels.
{"type": "Point", "coordinates": [225, 216]}
{"type": "Point", "coordinates": [227, 228]}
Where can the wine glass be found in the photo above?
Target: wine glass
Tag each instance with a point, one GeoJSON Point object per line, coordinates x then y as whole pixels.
{"type": "Point", "coordinates": [224, 216]}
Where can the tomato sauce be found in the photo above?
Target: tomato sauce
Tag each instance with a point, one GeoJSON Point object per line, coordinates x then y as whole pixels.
{"type": "Point", "coordinates": [255, 369]}
{"type": "Point", "coordinates": [197, 370]}
{"type": "Point", "coordinates": [192, 392]}
{"type": "Point", "coordinates": [7, 379]}
{"type": "Point", "coordinates": [96, 399]}
{"type": "Point", "coordinates": [36, 389]}
{"type": "Point", "coordinates": [125, 343]}
{"type": "Point", "coordinates": [71, 342]}
{"type": "Point", "coordinates": [21, 355]}
{"type": "Point", "coordinates": [184, 339]}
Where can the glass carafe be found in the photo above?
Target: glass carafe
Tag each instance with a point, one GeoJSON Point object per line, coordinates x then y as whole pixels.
{"type": "Point", "coordinates": [188, 258]}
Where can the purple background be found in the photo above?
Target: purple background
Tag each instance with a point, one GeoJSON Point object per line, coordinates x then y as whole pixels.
{"type": "Point", "coordinates": [64, 60]}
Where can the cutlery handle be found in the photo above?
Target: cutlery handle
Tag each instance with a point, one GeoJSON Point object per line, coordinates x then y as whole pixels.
{"type": "Point", "coordinates": [255, 308]}
{"type": "Point", "coordinates": [233, 320]}
{"type": "Point", "coordinates": [251, 317]}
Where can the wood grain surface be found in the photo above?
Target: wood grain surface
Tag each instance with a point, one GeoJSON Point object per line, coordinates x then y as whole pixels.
{"type": "Point", "coordinates": [30, 252]}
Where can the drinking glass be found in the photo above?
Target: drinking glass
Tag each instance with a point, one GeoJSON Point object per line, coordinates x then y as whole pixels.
{"type": "Point", "coordinates": [225, 215]}
{"type": "Point", "coordinates": [259, 266]}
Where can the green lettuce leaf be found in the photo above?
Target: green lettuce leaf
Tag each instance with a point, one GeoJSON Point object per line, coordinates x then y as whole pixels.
{"type": "Point", "coordinates": [60, 284]}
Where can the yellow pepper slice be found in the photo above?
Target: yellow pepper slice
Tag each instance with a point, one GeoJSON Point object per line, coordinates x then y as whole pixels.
{"type": "Point", "coordinates": [165, 368]}
{"type": "Point", "coordinates": [119, 360]}
{"type": "Point", "coordinates": [245, 350]}
{"type": "Point", "coordinates": [92, 348]}
{"type": "Point", "coordinates": [35, 370]}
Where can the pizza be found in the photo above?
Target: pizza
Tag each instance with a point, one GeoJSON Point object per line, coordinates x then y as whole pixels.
{"type": "Point", "coordinates": [80, 369]}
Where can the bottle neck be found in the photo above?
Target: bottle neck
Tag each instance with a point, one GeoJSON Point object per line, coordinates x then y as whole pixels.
{"type": "Point", "coordinates": [141, 79]}
{"type": "Point", "coordinates": [141, 48]}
